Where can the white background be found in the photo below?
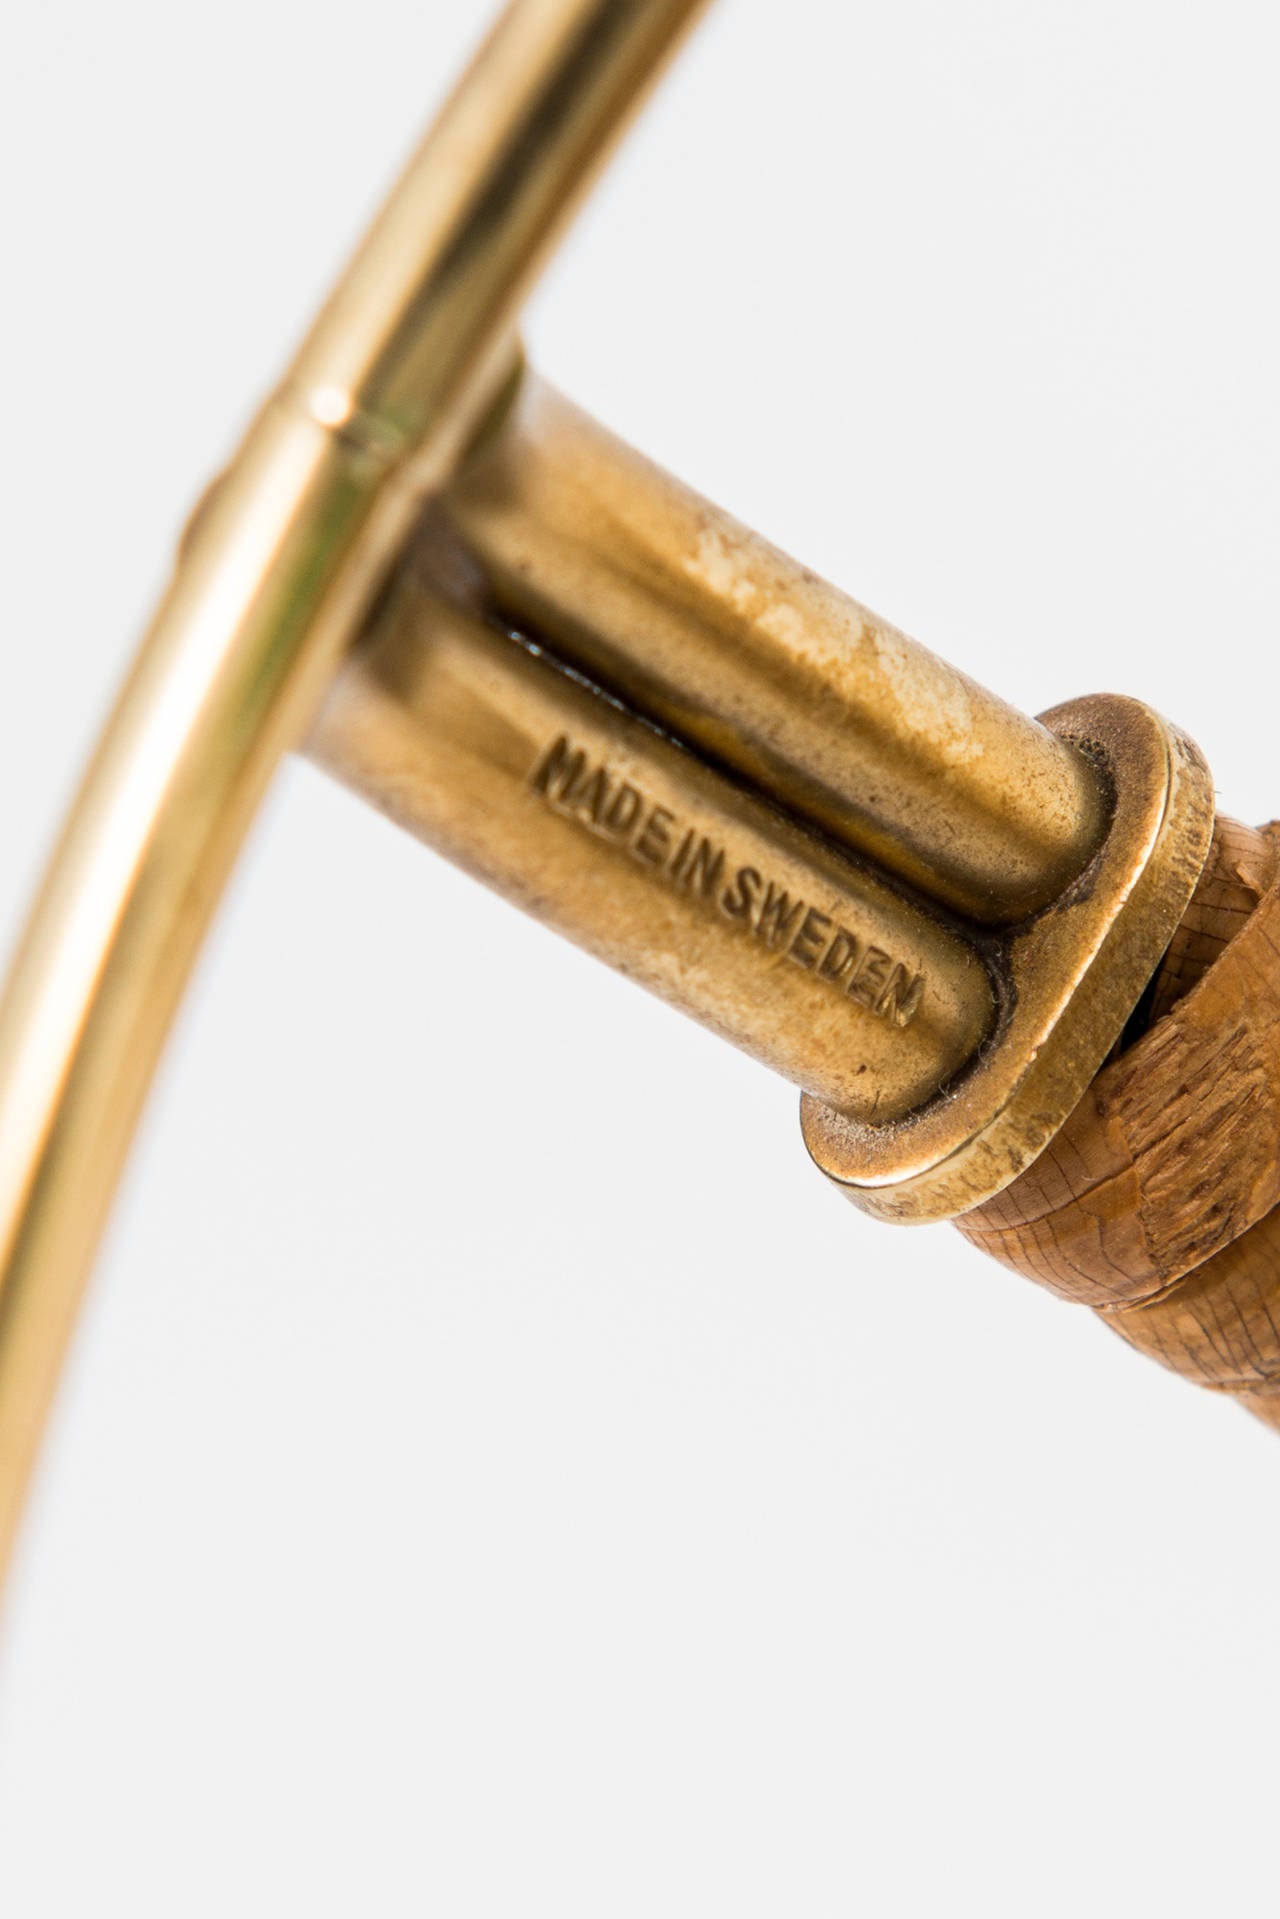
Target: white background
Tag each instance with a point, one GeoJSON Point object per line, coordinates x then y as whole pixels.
{"type": "Point", "coordinates": [599, 1516]}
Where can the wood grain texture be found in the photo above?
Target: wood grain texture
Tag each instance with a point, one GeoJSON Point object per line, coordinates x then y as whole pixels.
{"type": "Point", "coordinates": [1158, 1203]}
{"type": "Point", "coordinates": [1240, 867]}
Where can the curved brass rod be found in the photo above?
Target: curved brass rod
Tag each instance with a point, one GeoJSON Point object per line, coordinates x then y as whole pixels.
{"type": "Point", "coordinates": [279, 564]}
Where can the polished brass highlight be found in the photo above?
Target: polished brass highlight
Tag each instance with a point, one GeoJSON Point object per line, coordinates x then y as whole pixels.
{"type": "Point", "coordinates": [738, 649]}
{"type": "Point", "coordinates": [630, 845]}
{"type": "Point", "coordinates": [277, 571]}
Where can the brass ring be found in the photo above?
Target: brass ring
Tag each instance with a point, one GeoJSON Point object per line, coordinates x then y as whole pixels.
{"type": "Point", "coordinates": [277, 569]}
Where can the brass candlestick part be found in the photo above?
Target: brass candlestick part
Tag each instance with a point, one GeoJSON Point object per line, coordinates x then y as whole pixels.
{"type": "Point", "coordinates": [604, 698]}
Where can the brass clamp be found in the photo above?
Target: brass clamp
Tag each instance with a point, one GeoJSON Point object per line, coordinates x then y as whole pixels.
{"type": "Point", "coordinates": [643, 724]}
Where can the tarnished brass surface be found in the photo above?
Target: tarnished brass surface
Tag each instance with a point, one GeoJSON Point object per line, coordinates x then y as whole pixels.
{"type": "Point", "coordinates": [633, 847]}
{"type": "Point", "coordinates": [747, 655]}
{"type": "Point", "coordinates": [970, 1045]}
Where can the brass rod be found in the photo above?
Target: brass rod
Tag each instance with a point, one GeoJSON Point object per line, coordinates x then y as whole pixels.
{"type": "Point", "coordinates": [631, 846]}
{"type": "Point", "coordinates": [742, 652]}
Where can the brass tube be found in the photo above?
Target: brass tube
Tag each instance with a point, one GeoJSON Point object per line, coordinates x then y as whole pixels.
{"type": "Point", "coordinates": [587, 817]}
{"type": "Point", "coordinates": [694, 620]}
